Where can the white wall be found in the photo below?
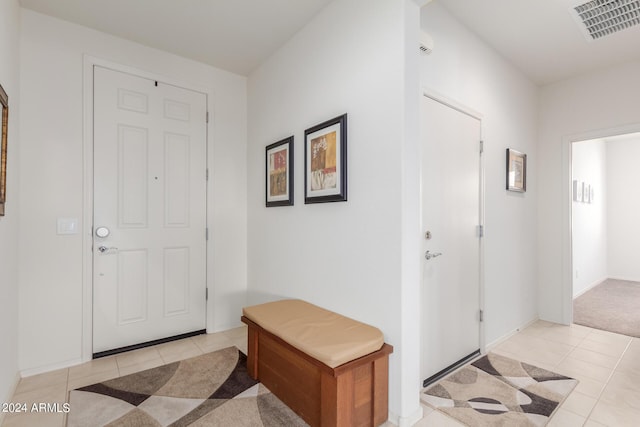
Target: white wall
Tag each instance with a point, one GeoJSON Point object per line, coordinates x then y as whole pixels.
{"type": "Point", "coordinates": [51, 269]}
{"type": "Point", "coordinates": [9, 69]}
{"type": "Point", "coordinates": [469, 72]}
{"type": "Point", "coordinates": [623, 176]}
{"type": "Point", "coordinates": [589, 220]}
{"type": "Point", "coordinates": [345, 256]}
{"type": "Point", "coordinates": [584, 107]}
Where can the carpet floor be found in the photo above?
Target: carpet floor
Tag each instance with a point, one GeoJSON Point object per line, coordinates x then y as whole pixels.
{"type": "Point", "coordinates": [498, 391]}
{"type": "Point", "coordinates": [213, 389]}
{"type": "Point", "coordinates": [611, 306]}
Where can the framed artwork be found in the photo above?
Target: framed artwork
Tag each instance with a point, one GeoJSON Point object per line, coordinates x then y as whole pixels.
{"type": "Point", "coordinates": [4, 102]}
{"type": "Point", "coordinates": [279, 180]}
{"type": "Point", "coordinates": [516, 171]}
{"type": "Point", "coordinates": [325, 161]}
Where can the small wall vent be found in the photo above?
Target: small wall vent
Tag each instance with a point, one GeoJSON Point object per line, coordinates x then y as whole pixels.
{"type": "Point", "coordinates": [600, 18]}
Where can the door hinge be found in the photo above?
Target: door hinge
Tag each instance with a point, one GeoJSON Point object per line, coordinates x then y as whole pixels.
{"type": "Point", "coordinates": [207, 117]}
{"type": "Point", "coordinates": [481, 231]}
{"type": "Point", "coordinates": [207, 174]}
{"type": "Point", "coordinates": [206, 233]}
{"type": "Point", "coordinates": [481, 146]}
{"type": "Point", "coordinates": [481, 315]}
{"type": "Point", "coordinates": [206, 294]}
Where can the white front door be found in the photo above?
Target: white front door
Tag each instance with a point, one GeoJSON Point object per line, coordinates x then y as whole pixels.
{"type": "Point", "coordinates": [450, 220]}
{"type": "Point", "coordinates": [149, 242]}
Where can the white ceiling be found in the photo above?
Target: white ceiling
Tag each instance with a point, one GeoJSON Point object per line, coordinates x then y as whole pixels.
{"type": "Point", "coordinates": [235, 35]}
{"type": "Point", "coordinates": [541, 38]}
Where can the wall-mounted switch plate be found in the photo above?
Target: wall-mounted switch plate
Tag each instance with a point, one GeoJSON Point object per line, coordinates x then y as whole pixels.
{"type": "Point", "coordinates": [68, 226]}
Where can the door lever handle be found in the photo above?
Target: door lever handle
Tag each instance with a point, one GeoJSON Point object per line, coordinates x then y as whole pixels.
{"type": "Point", "coordinates": [428, 255]}
{"type": "Point", "coordinates": [103, 249]}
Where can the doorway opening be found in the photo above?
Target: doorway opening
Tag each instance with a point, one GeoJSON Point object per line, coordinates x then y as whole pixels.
{"type": "Point", "coordinates": [603, 226]}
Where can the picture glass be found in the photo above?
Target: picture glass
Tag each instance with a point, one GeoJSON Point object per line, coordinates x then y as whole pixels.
{"type": "Point", "coordinates": [278, 174]}
{"type": "Point", "coordinates": [323, 158]}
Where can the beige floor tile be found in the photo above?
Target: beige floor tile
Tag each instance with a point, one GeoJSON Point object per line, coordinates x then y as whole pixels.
{"type": "Point", "coordinates": [634, 347]}
{"type": "Point", "coordinates": [93, 367]}
{"type": "Point", "coordinates": [212, 342]}
{"type": "Point", "coordinates": [571, 335]}
{"type": "Point", "coordinates": [594, 357]}
{"type": "Point", "coordinates": [136, 357]}
{"type": "Point", "coordinates": [592, 423]}
{"type": "Point", "coordinates": [589, 387]}
{"type": "Point", "coordinates": [621, 396]}
{"type": "Point", "coordinates": [178, 350]}
{"type": "Point", "coordinates": [438, 419]}
{"type": "Point", "coordinates": [56, 393]}
{"type": "Point", "coordinates": [39, 381]}
{"type": "Point", "coordinates": [609, 349]}
{"type": "Point", "coordinates": [579, 404]}
{"type": "Point", "coordinates": [185, 354]}
{"type": "Point", "coordinates": [626, 380]}
{"type": "Point", "coordinates": [34, 419]}
{"type": "Point", "coordinates": [585, 369]}
{"type": "Point", "coordinates": [239, 332]}
{"type": "Point", "coordinates": [564, 418]}
{"type": "Point", "coordinates": [629, 363]}
{"type": "Point", "coordinates": [609, 337]}
{"type": "Point", "coordinates": [615, 415]}
{"type": "Point", "coordinates": [142, 366]}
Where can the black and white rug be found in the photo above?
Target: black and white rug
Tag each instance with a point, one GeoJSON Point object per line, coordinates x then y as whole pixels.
{"type": "Point", "coordinates": [213, 389]}
{"type": "Point", "coordinates": [498, 391]}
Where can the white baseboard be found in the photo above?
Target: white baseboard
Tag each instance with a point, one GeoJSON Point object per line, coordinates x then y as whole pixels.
{"type": "Point", "coordinates": [508, 335]}
{"type": "Point", "coordinates": [48, 368]}
{"type": "Point", "coordinates": [591, 286]}
{"type": "Point", "coordinates": [626, 279]}
{"type": "Point", "coordinates": [406, 421]}
{"type": "Point", "coordinates": [16, 381]}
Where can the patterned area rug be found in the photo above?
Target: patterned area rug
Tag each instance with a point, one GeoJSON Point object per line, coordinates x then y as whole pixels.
{"type": "Point", "coordinates": [498, 391]}
{"type": "Point", "coordinates": [209, 390]}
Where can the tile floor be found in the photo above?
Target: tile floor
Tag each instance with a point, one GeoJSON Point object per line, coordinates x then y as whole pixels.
{"type": "Point", "coordinates": [607, 365]}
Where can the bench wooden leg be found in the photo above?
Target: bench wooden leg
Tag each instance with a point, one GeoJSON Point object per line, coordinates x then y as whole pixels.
{"type": "Point", "coordinates": [252, 357]}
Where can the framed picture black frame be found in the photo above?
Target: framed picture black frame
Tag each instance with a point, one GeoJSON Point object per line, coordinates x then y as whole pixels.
{"type": "Point", "coordinates": [279, 173]}
{"type": "Point", "coordinates": [325, 161]}
{"type": "Point", "coordinates": [4, 104]}
{"type": "Point", "coordinates": [516, 171]}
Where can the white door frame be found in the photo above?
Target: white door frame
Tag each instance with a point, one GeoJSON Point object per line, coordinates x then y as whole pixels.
{"type": "Point", "coordinates": [87, 206]}
{"type": "Point", "coordinates": [438, 97]}
{"type": "Point", "coordinates": [567, 209]}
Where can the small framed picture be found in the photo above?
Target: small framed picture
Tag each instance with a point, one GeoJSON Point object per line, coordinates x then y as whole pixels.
{"type": "Point", "coordinates": [325, 167]}
{"type": "Point", "coordinates": [279, 179]}
{"type": "Point", "coordinates": [4, 114]}
{"type": "Point", "coordinates": [516, 171]}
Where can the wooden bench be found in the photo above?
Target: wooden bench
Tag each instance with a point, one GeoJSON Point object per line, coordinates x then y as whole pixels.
{"type": "Point", "coordinates": [331, 370]}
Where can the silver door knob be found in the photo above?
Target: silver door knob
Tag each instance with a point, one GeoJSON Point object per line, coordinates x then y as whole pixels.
{"type": "Point", "coordinates": [428, 255]}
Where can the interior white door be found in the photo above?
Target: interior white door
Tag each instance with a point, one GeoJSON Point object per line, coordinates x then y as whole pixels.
{"type": "Point", "coordinates": [149, 243]}
{"type": "Point", "coordinates": [450, 218]}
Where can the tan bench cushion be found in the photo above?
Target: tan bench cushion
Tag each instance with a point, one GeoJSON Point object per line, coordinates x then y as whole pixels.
{"type": "Point", "coordinates": [322, 334]}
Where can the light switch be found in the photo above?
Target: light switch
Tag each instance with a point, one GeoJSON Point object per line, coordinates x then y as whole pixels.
{"type": "Point", "coordinates": [67, 225]}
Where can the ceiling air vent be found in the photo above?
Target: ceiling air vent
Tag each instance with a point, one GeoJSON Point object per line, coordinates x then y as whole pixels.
{"type": "Point", "coordinates": [599, 18]}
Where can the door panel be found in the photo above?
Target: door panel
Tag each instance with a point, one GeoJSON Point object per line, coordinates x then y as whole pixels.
{"type": "Point", "coordinates": [451, 213]}
{"type": "Point", "coordinates": [150, 192]}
